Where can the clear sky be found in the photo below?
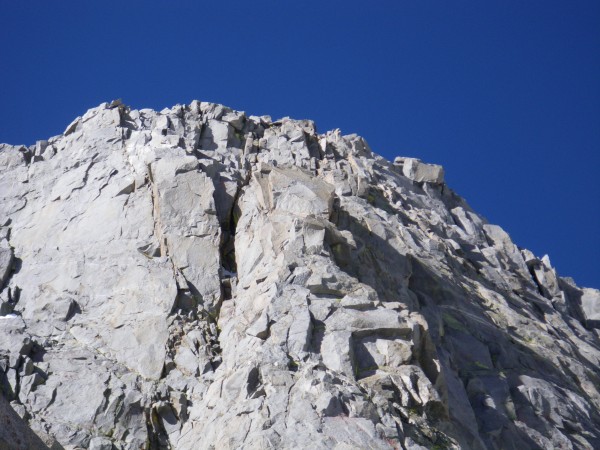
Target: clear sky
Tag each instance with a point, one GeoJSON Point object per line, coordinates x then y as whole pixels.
{"type": "Point", "coordinates": [505, 94]}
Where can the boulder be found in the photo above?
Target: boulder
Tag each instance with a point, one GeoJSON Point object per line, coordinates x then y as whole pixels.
{"type": "Point", "coordinates": [421, 172]}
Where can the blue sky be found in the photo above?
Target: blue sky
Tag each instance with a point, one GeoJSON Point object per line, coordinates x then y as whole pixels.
{"type": "Point", "coordinates": [504, 94]}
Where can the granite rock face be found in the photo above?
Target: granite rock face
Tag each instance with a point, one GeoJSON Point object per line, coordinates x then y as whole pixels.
{"type": "Point", "coordinates": [197, 278]}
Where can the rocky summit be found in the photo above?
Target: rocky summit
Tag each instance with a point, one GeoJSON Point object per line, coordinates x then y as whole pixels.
{"type": "Point", "coordinates": [197, 278]}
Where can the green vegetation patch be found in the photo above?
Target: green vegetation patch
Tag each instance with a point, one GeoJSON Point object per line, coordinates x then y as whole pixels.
{"type": "Point", "coordinates": [453, 322]}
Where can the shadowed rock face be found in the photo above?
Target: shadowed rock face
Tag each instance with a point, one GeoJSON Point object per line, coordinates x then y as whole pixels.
{"type": "Point", "coordinates": [197, 278]}
{"type": "Point", "coordinates": [14, 431]}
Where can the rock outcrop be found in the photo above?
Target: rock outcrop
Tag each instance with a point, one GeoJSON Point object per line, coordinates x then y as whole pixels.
{"type": "Point", "coordinates": [197, 278]}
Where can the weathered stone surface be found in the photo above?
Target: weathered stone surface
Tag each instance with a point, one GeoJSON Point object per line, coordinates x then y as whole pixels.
{"type": "Point", "coordinates": [14, 432]}
{"type": "Point", "coordinates": [590, 303]}
{"type": "Point", "coordinates": [200, 278]}
{"type": "Point", "coordinates": [418, 171]}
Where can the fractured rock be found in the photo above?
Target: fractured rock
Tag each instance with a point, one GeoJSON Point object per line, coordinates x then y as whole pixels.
{"type": "Point", "coordinates": [420, 172]}
{"type": "Point", "coordinates": [200, 278]}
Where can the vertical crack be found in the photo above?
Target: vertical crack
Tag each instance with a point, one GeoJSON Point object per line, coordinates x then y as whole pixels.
{"type": "Point", "coordinates": [538, 285]}
{"type": "Point", "coordinates": [227, 244]}
{"type": "Point", "coordinates": [156, 214]}
{"type": "Point", "coordinates": [10, 264]}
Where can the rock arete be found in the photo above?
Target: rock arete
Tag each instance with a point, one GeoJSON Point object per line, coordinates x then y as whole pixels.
{"type": "Point", "coordinates": [197, 278]}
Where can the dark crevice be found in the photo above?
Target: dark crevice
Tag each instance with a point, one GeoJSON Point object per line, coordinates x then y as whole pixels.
{"type": "Point", "coordinates": [228, 260]}
{"type": "Point", "coordinates": [227, 249]}
{"type": "Point", "coordinates": [535, 279]}
{"type": "Point", "coordinates": [292, 365]}
{"type": "Point", "coordinates": [13, 293]}
{"type": "Point", "coordinates": [27, 154]}
{"type": "Point", "coordinates": [253, 382]}
{"type": "Point", "coordinates": [227, 288]}
{"type": "Point", "coordinates": [157, 436]}
{"type": "Point", "coordinates": [126, 121]}
{"type": "Point", "coordinates": [12, 267]}
{"type": "Point", "coordinates": [227, 244]}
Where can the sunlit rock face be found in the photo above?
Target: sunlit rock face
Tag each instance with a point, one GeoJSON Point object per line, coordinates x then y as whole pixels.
{"type": "Point", "coordinates": [198, 278]}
